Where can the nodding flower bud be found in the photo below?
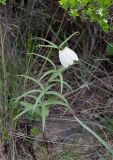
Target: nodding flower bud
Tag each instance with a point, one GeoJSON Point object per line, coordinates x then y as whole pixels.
{"type": "Point", "coordinates": [67, 57]}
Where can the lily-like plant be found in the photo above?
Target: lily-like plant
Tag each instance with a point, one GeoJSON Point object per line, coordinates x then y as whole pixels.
{"type": "Point", "coordinates": [38, 101]}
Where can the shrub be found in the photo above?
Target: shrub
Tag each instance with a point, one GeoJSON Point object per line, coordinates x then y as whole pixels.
{"type": "Point", "coordinates": [92, 10]}
{"type": "Point", "coordinates": [2, 1]}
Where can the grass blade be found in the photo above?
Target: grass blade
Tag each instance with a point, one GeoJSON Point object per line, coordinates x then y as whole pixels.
{"type": "Point", "coordinates": [94, 134]}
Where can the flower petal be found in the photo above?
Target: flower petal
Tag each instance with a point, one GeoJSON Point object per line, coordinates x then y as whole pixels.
{"type": "Point", "coordinates": [67, 57]}
{"type": "Point", "coordinates": [71, 53]}
{"type": "Point", "coordinates": [62, 60]}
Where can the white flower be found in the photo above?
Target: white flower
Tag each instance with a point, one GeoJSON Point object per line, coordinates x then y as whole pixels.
{"type": "Point", "coordinates": [67, 57]}
{"type": "Point", "coordinates": [105, 20]}
{"type": "Point", "coordinates": [99, 11]}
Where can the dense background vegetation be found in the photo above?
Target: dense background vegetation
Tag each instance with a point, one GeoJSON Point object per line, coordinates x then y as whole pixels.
{"type": "Point", "coordinates": [48, 112]}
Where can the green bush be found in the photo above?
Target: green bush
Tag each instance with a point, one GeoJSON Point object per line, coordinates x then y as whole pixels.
{"type": "Point", "coordinates": [92, 10]}
{"type": "Point", "coordinates": [2, 1]}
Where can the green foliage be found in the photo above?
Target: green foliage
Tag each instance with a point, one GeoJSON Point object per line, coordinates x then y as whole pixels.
{"type": "Point", "coordinates": [34, 131]}
{"type": "Point", "coordinates": [44, 96]}
{"type": "Point", "coordinates": [109, 49]}
{"type": "Point", "coordinates": [3, 2]}
{"type": "Point", "coordinates": [92, 10]}
{"type": "Point", "coordinates": [6, 135]}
